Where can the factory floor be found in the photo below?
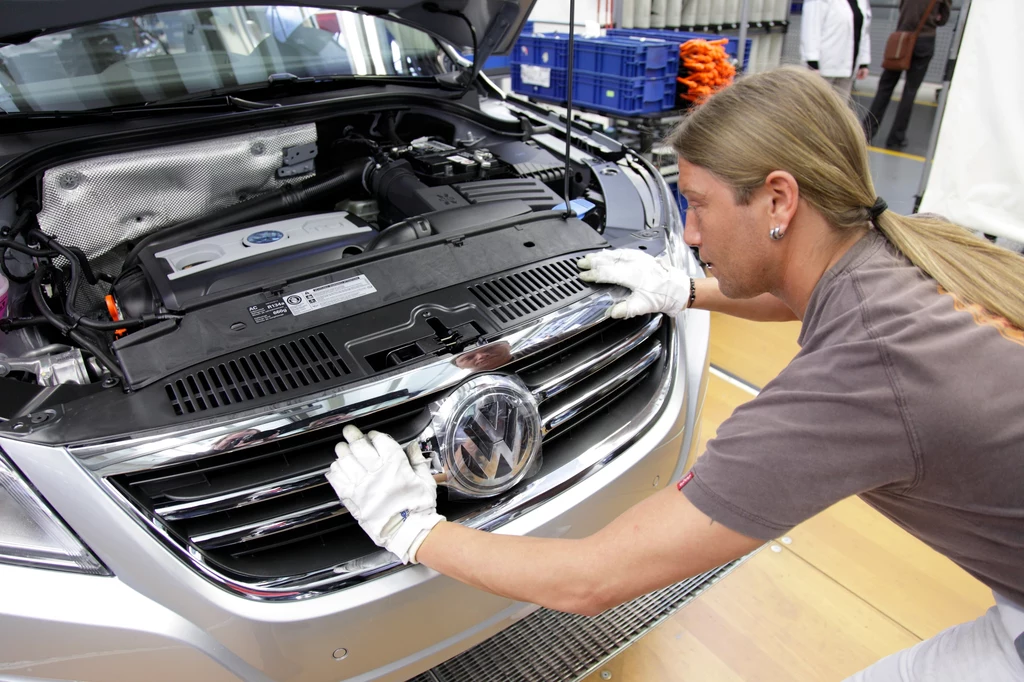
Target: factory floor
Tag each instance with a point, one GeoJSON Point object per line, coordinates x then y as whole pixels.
{"type": "Point", "coordinates": [841, 590]}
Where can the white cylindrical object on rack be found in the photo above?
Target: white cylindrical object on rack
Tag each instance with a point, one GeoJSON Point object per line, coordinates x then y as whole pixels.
{"type": "Point", "coordinates": [657, 13]}
{"type": "Point", "coordinates": [673, 10]}
{"type": "Point", "coordinates": [775, 58]}
{"type": "Point", "coordinates": [781, 10]}
{"type": "Point", "coordinates": [716, 15]}
{"type": "Point", "coordinates": [755, 54]}
{"type": "Point", "coordinates": [688, 17]}
{"type": "Point", "coordinates": [732, 11]}
{"type": "Point", "coordinates": [3, 295]}
{"type": "Point", "coordinates": [703, 12]}
{"type": "Point", "coordinates": [626, 21]}
{"type": "Point", "coordinates": [764, 53]}
{"type": "Point", "coordinates": [756, 10]}
{"type": "Point", "coordinates": [642, 14]}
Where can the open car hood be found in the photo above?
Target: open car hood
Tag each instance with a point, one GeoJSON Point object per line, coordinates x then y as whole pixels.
{"type": "Point", "coordinates": [496, 22]}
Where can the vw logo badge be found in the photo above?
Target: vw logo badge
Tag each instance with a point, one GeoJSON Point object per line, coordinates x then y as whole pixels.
{"type": "Point", "coordinates": [488, 434]}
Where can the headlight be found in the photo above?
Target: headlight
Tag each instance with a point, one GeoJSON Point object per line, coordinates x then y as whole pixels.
{"type": "Point", "coordinates": [31, 534]}
{"type": "Point", "coordinates": [679, 253]}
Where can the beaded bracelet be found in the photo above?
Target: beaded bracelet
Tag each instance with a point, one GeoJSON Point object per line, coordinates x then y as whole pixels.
{"type": "Point", "coordinates": [693, 292]}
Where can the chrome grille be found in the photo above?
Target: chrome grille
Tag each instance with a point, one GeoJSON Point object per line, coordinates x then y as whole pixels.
{"type": "Point", "coordinates": [554, 647]}
{"type": "Point", "coordinates": [263, 515]}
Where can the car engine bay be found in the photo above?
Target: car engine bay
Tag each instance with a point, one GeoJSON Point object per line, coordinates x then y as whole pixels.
{"type": "Point", "coordinates": [161, 282]}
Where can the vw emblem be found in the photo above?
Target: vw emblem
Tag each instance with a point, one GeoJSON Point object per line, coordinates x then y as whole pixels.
{"type": "Point", "coordinates": [487, 434]}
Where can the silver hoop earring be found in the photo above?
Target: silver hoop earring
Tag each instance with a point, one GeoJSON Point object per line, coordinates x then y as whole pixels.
{"type": "Point", "coordinates": [776, 233]}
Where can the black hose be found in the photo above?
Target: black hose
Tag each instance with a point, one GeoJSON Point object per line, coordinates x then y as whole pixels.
{"type": "Point", "coordinates": [24, 248]}
{"type": "Point", "coordinates": [37, 295]}
{"type": "Point", "coordinates": [9, 324]}
{"type": "Point", "coordinates": [67, 329]}
{"type": "Point", "coordinates": [10, 243]}
{"type": "Point", "coordinates": [286, 197]}
{"type": "Point", "coordinates": [76, 272]}
{"type": "Point", "coordinates": [83, 260]}
{"type": "Point", "coordinates": [127, 323]}
{"type": "Point", "coordinates": [77, 269]}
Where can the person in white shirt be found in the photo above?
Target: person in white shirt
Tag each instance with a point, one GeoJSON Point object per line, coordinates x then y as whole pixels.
{"type": "Point", "coordinates": [835, 40]}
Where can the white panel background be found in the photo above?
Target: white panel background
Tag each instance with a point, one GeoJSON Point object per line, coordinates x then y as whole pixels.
{"type": "Point", "coordinates": [977, 179]}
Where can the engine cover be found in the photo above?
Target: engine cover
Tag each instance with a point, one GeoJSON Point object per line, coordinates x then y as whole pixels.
{"type": "Point", "coordinates": [184, 274]}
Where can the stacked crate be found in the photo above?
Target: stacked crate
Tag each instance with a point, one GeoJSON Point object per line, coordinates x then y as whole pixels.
{"type": "Point", "coordinates": [680, 37]}
{"type": "Point", "coordinates": [624, 76]}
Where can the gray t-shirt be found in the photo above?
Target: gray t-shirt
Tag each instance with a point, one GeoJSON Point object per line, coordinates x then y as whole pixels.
{"type": "Point", "coordinates": [901, 394]}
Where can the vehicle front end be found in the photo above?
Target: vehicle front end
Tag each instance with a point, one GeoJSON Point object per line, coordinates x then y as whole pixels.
{"type": "Point", "coordinates": [207, 287]}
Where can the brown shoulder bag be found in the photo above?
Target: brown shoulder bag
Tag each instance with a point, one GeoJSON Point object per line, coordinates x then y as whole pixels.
{"type": "Point", "coordinates": [899, 49]}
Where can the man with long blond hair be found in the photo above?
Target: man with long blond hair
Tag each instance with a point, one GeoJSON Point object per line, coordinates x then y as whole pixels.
{"type": "Point", "coordinates": [906, 390]}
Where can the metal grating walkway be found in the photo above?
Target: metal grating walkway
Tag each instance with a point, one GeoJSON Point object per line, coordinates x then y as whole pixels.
{"type": "Point", "coordinates": [551, 646]}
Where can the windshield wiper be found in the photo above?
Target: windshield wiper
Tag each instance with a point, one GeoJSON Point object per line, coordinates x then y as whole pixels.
{"type": "Point", "coordinates": [226, 99]}
{"type": "Point", "coordinates": [285, 81]}
{"type": "Point", "coordinates": [206, 103]}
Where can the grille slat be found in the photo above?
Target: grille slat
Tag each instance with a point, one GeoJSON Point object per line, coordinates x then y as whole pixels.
{"type": "Point", "coordinates": [617, 376]}
{"type": "Point", "coordinates": [235, 535]}
{"type": "Point", "coordinates": [267, 372]}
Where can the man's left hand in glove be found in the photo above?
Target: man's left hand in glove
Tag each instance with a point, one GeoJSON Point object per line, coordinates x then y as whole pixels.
{"type": "Point", "coordinates": [390, 492]}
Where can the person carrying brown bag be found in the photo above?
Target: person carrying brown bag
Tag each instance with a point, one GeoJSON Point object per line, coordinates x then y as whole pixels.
{"type": "Point", "coordinates": [912, 18]}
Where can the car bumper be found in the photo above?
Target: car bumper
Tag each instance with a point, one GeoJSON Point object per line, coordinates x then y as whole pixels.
{"type": "Point", "coordinates": [159, 620]}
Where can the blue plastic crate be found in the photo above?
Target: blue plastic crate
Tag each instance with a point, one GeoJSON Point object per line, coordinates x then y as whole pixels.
{"type": "Point", "coordinates": [554, 91]}
{"type": "Point", "coordinates": [626, 96]}
{"type": "Point", "coordinates": [732, 48]}
{"type": "Point", "coordinates": [627, 57]}
{"type": "Point", "coordinates": [542, 49]}
{"type": "Point", "coordinates": [599, 92]}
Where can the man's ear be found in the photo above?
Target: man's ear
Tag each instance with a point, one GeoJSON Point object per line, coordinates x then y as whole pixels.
{"type": "Point", "coordinates": [784, 194]}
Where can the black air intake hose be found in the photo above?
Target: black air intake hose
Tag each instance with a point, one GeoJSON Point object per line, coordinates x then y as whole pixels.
{"type": "Point", "coordinates": [254, 209]}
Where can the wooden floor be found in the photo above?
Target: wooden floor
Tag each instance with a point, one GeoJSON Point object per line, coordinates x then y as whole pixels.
{"type": "Point", "coordinates": [839, 592]}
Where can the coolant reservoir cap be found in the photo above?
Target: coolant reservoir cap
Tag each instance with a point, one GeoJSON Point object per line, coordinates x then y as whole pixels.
{"type": "Point", "coordinates": [264, 237]}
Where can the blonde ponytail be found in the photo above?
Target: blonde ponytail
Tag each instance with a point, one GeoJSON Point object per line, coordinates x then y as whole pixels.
{"type": "Point", "coordinates": [791, 119]}
{"type": "Point", "coordinates": [962, 263]}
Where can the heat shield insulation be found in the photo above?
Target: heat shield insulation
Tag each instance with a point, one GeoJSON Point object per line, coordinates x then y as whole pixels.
{"type": "Point", "coordinates": [99, 204]}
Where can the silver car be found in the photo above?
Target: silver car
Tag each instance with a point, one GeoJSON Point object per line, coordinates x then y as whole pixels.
{"type": "Point", "coordinates": [230, 231]}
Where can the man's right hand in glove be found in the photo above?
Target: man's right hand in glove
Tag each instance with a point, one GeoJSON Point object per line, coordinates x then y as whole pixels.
{"type": "Point", "coordinates": [657, 288]}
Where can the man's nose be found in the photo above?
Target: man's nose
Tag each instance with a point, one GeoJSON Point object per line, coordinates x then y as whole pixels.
{"type": "Point", "coordinates": [691, 235]}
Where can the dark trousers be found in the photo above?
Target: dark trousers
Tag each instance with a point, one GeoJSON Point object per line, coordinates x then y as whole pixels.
{"type": "Point", "coordinates": [924, 48]}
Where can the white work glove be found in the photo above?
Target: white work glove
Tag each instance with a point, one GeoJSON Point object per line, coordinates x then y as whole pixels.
{"type": "Point", "coordinates": [390, 492]}
{"type": "Point", "coordinates": [657, 288]}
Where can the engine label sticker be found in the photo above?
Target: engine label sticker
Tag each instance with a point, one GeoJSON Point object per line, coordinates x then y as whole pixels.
{"type": "Point", "coordinates": [329, 294]}
{"type": "Point", "coordinates": [269, 310]}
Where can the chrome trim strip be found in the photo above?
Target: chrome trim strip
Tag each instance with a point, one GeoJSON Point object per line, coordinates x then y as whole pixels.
{"type": "Point", "coordinates": [339, 405]}
{"type": "Point", "coordinates": [500, 512]}
{"type": "Point", "coordinates": [268, 527]}
{"type": "Point", "coordinates": [551, 421]}
{"type": "Point", "coordinates": [596, 363]}
{"type": "Point", "coordinates": [242, 498]}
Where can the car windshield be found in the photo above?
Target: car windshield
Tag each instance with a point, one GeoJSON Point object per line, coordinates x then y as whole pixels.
{"type": "Point", "coordinates": [170, 55]}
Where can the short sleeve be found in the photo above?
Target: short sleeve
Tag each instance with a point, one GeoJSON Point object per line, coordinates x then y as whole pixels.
{"type": "Point", "coordinates": [828, 427]}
